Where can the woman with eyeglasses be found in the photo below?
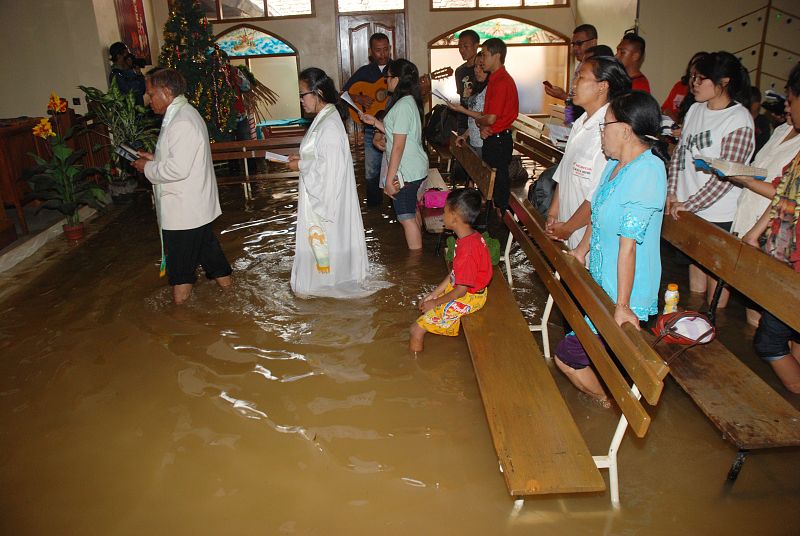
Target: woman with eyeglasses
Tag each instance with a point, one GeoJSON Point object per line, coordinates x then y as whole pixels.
{"type": "Point", "coordinates": [718, 125]}
{"type": "Point", "coordinates": [330, 250]}
{"type": "Point", "coordinates": [599, 80]}
{"type": "Point", "coordinates": [621, 243]}
{"type": "Point", "coordinates": [408, 161]}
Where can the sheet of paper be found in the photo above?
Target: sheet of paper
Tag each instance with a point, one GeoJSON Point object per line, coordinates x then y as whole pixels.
{"type": "Point", "coordinates": [559, 132]}
{"type": "Point", "coordinates": [439, 95]}
{"type": "Point", "coordinates": [275, 157]}
{"type": "Point", "coordinates": [345, 96]}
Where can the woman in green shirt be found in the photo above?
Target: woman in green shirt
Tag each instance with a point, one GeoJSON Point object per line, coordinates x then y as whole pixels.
{"type": "Point", "coordinates": [408, 161]}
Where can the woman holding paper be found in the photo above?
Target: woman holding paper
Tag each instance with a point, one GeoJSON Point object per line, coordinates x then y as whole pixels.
{"type": "Point", "coordinates": [330, 251]}
{"type": "Point", "coordinates": [408, 161]}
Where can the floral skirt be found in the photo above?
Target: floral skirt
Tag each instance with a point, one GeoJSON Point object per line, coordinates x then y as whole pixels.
{"type": "Point", "coordinates": [446, 318]}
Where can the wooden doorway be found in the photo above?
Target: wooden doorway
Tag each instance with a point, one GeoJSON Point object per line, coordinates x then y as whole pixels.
{"type": "Point", "coordinates": [354, 32]}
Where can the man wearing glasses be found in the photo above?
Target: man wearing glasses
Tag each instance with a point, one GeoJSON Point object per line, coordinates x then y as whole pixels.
{"type": "Point", "coordinates": [584, 37]}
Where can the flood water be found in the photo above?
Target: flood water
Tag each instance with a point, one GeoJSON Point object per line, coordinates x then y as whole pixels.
{"type": "Point", "coordinates": [254, 412]}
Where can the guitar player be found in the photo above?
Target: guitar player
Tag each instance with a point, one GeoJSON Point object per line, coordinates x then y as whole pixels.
{"type": "Point", "coordinates": [380, 52]}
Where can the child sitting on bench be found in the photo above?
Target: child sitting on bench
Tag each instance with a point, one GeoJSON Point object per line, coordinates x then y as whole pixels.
{"type": "Point", "coordinates": [463, 291]}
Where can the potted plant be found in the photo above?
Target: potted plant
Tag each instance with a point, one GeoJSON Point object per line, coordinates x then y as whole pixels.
{"type": "Point", "coordinates": [62, 182]}
{"type": "Point", "coordinates": [127, 123]}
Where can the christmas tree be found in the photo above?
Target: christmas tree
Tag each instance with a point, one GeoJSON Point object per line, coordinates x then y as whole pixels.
{"type": "Point", "coordinates": [189, 48]}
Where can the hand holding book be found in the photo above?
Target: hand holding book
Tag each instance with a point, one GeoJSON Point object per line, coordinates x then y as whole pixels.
{"type": "Point", "coordinates": [725, 168]}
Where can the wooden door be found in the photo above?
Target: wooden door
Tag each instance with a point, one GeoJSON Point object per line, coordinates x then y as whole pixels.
{"type": "Point", "coordinates": [354, 32]}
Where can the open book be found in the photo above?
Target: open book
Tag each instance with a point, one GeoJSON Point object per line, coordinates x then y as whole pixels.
{"type": "Point", "coordinates": [275, 157]}
{"type": "Point", "coordinates": [724, 168]}
{"type": "Point", "coordinates": [127, 152]}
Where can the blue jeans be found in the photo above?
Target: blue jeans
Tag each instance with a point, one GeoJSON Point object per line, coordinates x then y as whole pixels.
{"type": "Point", "coordinates": [372, 168]}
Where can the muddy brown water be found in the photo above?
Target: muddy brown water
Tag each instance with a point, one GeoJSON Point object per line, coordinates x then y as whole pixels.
{"type": "Point", "coordinates": [254, 412]}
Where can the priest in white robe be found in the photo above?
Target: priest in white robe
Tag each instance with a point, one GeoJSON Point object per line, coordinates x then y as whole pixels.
{"type": "Point", "coordinates": [330, 252]}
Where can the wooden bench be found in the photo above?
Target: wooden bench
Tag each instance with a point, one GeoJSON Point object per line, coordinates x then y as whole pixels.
{"type": "Point", "coordinates": [244, 150]}
{"type": "Point", "coordinates": [748, 412]}
{"type": "Point", "coordinates": [535, 437]}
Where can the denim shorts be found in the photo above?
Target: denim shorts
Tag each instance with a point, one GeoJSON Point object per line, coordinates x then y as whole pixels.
{"type": "Point", "coordinates": [772, 338]}
{"type": "Point", "coordinates": [405, 201]}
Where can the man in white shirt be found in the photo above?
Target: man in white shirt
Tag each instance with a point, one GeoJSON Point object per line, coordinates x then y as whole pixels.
{"type": "Point", "coordinates": [185, 187]}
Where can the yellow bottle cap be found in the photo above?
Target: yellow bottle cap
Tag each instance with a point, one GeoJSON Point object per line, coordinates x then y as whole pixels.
{"type": "Point", "coordinates": [672, 286]}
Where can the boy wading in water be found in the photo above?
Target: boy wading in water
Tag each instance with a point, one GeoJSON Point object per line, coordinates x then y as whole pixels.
{"type": "Point", "coordinates": [463, 291]}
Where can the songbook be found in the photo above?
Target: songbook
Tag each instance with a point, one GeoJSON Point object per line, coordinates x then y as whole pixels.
{"type": "Point", "coordinates": [349, 100]}
{"type": "Point", "coordinates": [725, 168]}
{"type": "Point", "coordinates": [439, 95]}
{"type": "Point", "coordinates": [127, 152]}
{"type": "Point", "coordinates": [275, 157]}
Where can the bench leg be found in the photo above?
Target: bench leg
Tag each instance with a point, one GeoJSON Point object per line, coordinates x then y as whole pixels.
{"type": "Point", "coordinates": [610, 460]}
{"type": "Point", "coordinates": [507, 259]}
{"type": "Point", "coordinates": [518, 502]}
{"type": "Point", "coordinates": [733, 474]}
{"type": "Point", "coordinates": [548, 308]}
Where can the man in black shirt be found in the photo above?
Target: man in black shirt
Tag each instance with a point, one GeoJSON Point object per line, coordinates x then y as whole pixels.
{"type": "Point", "coordinates": [380, 52]}
{"type": "Point", "coordinates": [128, 78]}
{"type": "Point", "coordinates": [466, 82]}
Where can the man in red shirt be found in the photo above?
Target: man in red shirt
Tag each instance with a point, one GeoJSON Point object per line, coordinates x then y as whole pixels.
{"type": "Point", "coordinates": [630, 52]}
{"type": "Point", "coordinates": [500, 110]}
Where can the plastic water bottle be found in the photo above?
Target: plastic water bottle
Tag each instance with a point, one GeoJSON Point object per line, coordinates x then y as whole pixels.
{"type": "Point", "coordinates": [671, 297]}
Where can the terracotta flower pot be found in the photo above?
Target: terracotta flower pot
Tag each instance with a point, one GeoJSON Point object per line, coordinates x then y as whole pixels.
{"type": "Point", "coordinates": [73, 232]}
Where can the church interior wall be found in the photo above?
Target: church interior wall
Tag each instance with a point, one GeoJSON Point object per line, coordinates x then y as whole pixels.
{"type": "Point", "coordinates": [55, 45]}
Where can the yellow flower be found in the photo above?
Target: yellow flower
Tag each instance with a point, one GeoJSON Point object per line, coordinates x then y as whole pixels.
{"type": "Point", "coordinates": [43, 129]}
{"type": "Point", "coordinates": [54, 103]}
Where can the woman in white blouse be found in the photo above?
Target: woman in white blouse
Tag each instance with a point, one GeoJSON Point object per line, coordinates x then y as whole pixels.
{"type": "Point", "coordinates": [599, 80]}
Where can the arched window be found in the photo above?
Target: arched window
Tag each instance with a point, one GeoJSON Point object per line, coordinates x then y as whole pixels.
{"type": "Point", "coordinates": [534, 54]}
{"type": "Point", "coordinates": [271, 59]}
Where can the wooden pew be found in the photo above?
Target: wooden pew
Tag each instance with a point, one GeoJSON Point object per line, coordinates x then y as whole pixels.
{"type": "Point", "coordinates": [576, 294]}
{"type": "Point", "coordinates": [244, 150]}
{"type": "Point", "coordinates": [533, 433]}
{"type": "Point", "coordinates": [537, 442]}
{"type": "Point", "coordinates": [748, 412]}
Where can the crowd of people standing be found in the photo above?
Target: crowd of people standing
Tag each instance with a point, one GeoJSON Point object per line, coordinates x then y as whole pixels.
{"type": "Point", "coordinates": [614, 184]}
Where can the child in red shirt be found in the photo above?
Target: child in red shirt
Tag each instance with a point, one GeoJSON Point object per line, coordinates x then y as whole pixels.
{"type": "Point", "coordinates": [463, 291]}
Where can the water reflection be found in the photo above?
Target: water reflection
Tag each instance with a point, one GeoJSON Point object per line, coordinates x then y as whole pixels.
{"type": "Point", "coordinates": [253, 412]}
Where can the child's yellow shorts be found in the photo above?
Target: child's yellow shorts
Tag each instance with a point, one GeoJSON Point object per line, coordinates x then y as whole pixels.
{"type": "Point", "coordinates": [446, 319]}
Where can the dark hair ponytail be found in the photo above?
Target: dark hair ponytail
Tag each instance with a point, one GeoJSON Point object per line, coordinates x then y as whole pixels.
{"type": "Point", "coordinates": [642, 113]}
{"type": "Point", "coordinates": [610, 70]}
{"type": "Point", "coordinates": [719, 65]}
{"type": "Point", "coordinates": [407, 84]}
{"type": "Point", "coordinates": [322, 84]}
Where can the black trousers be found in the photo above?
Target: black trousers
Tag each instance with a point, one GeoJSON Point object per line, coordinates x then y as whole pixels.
{"type": "Point", "coordinates": [497, 150]}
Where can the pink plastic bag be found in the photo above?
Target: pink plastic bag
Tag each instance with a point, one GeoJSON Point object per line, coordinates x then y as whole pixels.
{"type": "Point", "coordinates": [434, 198]}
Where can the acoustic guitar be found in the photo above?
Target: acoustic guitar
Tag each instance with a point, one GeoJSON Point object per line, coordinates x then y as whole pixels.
{"type": "Point", "coordinates": [379, 92]}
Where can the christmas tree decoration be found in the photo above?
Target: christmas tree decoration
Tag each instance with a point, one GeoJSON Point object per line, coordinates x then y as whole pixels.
{"type": "Point", "coordinates": [189, 48]}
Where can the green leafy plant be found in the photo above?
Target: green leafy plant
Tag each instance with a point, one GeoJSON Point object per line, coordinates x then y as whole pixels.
{"type": "Point", "coordinates": [126, 121]}
{"type": "Point", "coordinates": [62, 182]}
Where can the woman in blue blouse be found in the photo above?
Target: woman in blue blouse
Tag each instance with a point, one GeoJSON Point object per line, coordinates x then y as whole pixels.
{"type": "Point", "coordinates": [621, 245]}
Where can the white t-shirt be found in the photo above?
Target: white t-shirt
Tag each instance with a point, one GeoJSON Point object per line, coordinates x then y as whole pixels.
{"type": "Point", "coordinates": [774, 156]}
{"type": "Point", "coordinates": [703, 132]}
{"type": "Point", "coordinates": [580, 169]}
